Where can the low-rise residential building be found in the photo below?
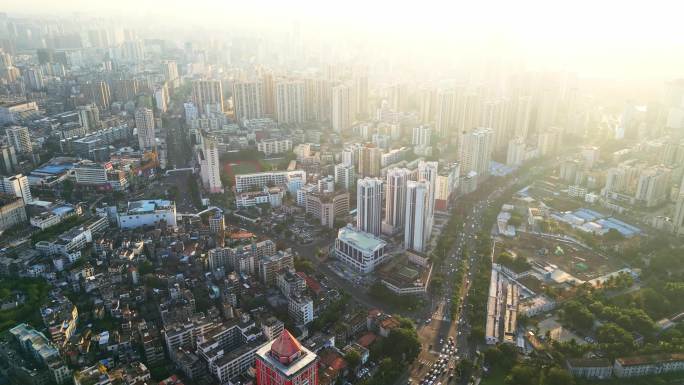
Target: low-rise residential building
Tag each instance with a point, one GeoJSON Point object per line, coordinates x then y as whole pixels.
{"type": "Point", "coordinates": [599, 368]}
{"type": "Point", "coordinates": [648, 365]}
{"type": "Point", "coordinates": [246, 182]}
{"type": "Point", "coordinates": [300, 309]}
{"type": "Point", "coordinates": [274, 146]}
{"type": "Point", "coordinates": [147, 213]}
{"type": "Point", "coordinates": [60, 317]}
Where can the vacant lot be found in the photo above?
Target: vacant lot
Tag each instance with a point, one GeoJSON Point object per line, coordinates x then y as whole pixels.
{"type": "Point", "coordinates": [573, 259]}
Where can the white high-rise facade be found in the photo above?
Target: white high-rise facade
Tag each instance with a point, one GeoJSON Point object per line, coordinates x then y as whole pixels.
{"type": "Point", "coordinates": [341, 108]}
{"type": "Point", "coordinates": [289, 102]}
{"type": "Point", "coordinates": [395, 200]}
{"type": "Point", "coordinates": [18, 186]}
{"type": "Point", "coordinates": [345, 175]}
{"type": "Point", "coordinates": [475, 151]}
{"type": "Point", "coordinates": [516, 152]}
{"type": "Point", "coordinates": [369, 205]}
{"type": "Point", "coordinates": [144, 122]}
{"type": "Point", "coordinates": [210, 166]}
{"type": "Point", "coordinates": [416, 236]}
{"type": "Point", "coordinates": [421, 136]}
{"type": "Point", "coordinates": [248, 100]}
{"type": "Point", "coordinates": [428, 171]}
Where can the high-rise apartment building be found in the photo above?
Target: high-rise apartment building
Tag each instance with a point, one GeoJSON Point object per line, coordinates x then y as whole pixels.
{"type": "Point", "coordinates": [475, 151]}
{"type": "Point", "coordinates": [99, 93]}
{"type": "Point", "coordinates": [248, 100]}
{"type": "Point", "coordinates": [208, 92]}
{"type": "Point", "coordinates": [678, 218]}
{"type": "Point", "coordinates": [19, 138]}
{"type": "Point", "coordinates": [144, 122]}
{"type": "Point", "coordinates": [416, 235]}
{"type": "Point", "coordinates": [369, 205]}
{"type": "Point", "coordinates": [370, 158]}
{"type": "Point", "coordinates": [395, 200]}
{"type": "Point", "coordinates": [341, 108]}
{"type": "Point", "coordinates": [18, 186]}
{"type": "Point", "coordinates": [445, 118]}
{"type": "Point", "coordinates": [289, 101]}
{"type": "Point", "coordinates": [345, 175]}
{"type": "Point", "coordinates": [210, 166]}
{"type": "Point", "coordinates": [421, 136]}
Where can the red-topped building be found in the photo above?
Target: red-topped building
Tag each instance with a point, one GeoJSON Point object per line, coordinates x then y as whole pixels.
{"type": "Point", "coordinates": [284, 361]}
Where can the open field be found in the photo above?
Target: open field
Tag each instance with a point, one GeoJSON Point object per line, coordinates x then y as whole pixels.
{"type": "Point", "coordinates": [241, 167]}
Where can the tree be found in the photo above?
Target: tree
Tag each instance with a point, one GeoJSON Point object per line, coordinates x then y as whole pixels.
{"type": "Point", "coordinates": [522, 375]}
{"type": "Point", "coordinates": [353, 359]}
{"type": "Point", "coordinates": [558, 376]}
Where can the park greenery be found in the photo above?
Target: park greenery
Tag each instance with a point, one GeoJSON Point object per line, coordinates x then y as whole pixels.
{"type": "Point", "coordinates": [36, 292]}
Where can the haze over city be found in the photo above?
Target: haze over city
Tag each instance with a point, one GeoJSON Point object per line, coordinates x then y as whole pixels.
{"type": "Point", "coordinates": [341, 193]}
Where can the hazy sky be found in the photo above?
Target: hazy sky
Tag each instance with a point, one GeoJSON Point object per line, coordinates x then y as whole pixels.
{"type": "Point", "coordinates": [642, 39]}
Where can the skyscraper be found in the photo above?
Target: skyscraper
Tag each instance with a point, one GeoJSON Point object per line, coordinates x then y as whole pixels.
{"type": "Point", "coordinates": [289, 101]}
{"type": "Point", "coordinates": [475, 151]}
{"type": "Point", "coordinates": [19, 138]}
{"type": "Point", "coordinates": [361, 85]}
{"type": "Point", "coordinates": [98, 92]}
{"type": "Point", "coordinates": [248, 100]}
{"type": "Point", "coordinates": [395, 200]}
{"type": "Point", "coordinates": [144, 122]}
{"type": "Point", "coordinates": [369, 205]}
{"type": "Point", "coordinates": [284, 361]}
{"type": "Point", "coordinates": [416, 234]}
{"type": "Point", "coordinates": [210, 167]}
{"type": "Point", "coordinates": [207, 92]}
{"type": "Point", "coordinates": [429, 171]}
{"type": "Point", "coordinates": [341, 108]}
{"type": "Point", "coordinates": [370, 157]}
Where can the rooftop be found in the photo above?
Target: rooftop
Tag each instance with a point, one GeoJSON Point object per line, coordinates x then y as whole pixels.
{"type": "Point", "coordinates": [360, 239]}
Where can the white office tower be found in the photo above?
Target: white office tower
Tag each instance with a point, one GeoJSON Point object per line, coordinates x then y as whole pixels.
{"type": "Point", "coordinates": [248, 100]}
{"type": "Point", "coordinates": [341, 110]}
{"type": "Point", "coordinates": [421, 136]}
{"type": "Point", "coordinates": [191, 112]}
{"type": "Point", "coordinates": [674, 102]}
{"type": "Point", "coordinates": [210, 167]}
{"type": "Point", "coordinates": [416, 236]}
{"type": "Point", "coordinates": [395, 200]}
{"type": "Point", "coordinates": [18, 186]}
{"type": "Point", "coordinates": [369, 205]}
{"type": "Point", "coordinates": [289, 102]}
{"type": "Point", "coordinates": [429, 171]}
{"type": "Point", "coordinates": [144, 122]}
{"type": "Point", "coordinates": [516, 152]}
{"type": "Point", "coordinates": [19, 138]}
{"type": "Point", "coordinates": [475, 151]}
{"type": "Point", "coordinates": [345, 175]}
